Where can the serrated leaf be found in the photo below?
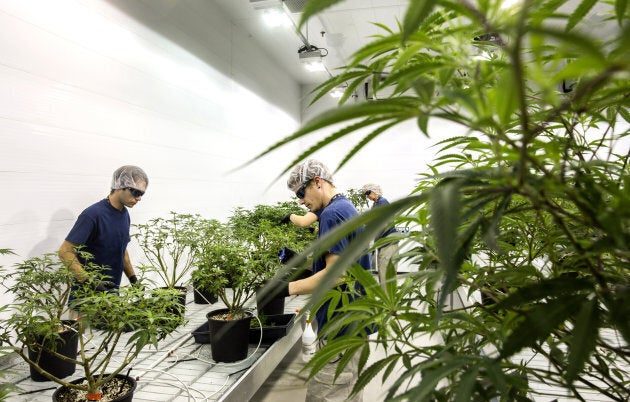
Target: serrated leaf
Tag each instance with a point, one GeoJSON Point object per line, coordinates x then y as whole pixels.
{"type": "Point", "coordinates": [554, 287]}
{"type": "Point", "coordinates": [580, 12]}
{"type": "Point", "coordinates": [416, 13]}
{"type": "Point", "coordinates": [463, 392]}
{"type": "Point", "coordinates": [621, 7]}
{"type": "Point", "coordinates": [583, 338]}
{"type": "Point", "coordinates": [506, 99]}
{"type": "Point", "coordinates": [539, 321]}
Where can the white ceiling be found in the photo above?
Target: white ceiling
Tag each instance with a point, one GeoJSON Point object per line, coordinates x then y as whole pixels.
{"type": "Point", "coordinates": [346, 27]}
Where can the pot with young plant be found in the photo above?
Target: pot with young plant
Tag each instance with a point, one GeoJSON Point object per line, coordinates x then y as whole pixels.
{"type": "Point", "coordinates": [6, 387]}
{"type": "Point", "coordinates": [102, 354]}
{"type": "Point", "coordinates": [170, 246]}
{"type": "Point", "coordinates": [259, 227]}
{"type": "Point", "coordinates": [208, 229]}
{"type": "Point", "coordinates": [225, 267]}
{"type": "Point", "coordinates": [43, 335]}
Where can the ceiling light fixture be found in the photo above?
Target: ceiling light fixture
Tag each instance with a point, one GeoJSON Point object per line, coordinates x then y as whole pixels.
{"type": "Point", "coordinates": [311, 57]}
{"type": "Point", "coordinates": [275, 17]}
{"type": "Point", "coordinates": [338, 91]}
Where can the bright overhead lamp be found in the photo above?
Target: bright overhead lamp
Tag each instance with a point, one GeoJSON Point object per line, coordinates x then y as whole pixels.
{"type": "Point", "coordinates": [311, 58]}
{"type": "Point", "coordinates": [274, 17]}
{"type": "Point", "coordinates": [338, 91]}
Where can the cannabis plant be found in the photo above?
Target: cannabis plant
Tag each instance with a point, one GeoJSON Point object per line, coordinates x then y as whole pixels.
{"type": "Point", "coordinates": [243, 252]}
{"type": "Point", "coordinates": [5, 387]}
{"type": "Point", "coordinates": [42, 287]}
{"type": "Point", "coordinates": [261, 229]}
{"type": "Point", "coordinates": [170, 246]}
{"type": "Point", "coordinates": [226, 267]}
{"type": "Point", "coordinates": [526, 216]}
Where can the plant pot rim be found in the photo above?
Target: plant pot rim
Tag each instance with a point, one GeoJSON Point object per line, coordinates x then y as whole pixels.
{"type": "Point", "coordinates": [214, 313]}
{"type": "Point", "coordinates": [130, 379]}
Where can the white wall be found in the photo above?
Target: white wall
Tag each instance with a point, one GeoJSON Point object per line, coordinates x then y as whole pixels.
{"type": "Point", "coordinates": [87, 88]}
{"type": "Point", "coordinates": [392, 160]}
{"type": "Point", "coordinates": [171, 86]}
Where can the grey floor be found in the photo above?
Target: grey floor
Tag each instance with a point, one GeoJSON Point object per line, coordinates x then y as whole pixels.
{"type": "Point", "coordinates": [287, 383]}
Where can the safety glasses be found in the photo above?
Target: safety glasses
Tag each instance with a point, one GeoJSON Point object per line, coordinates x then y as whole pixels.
{"type": "Point", "coordinates": [135, 192]}
{"type": "Point", "coordinates": [301, 193]}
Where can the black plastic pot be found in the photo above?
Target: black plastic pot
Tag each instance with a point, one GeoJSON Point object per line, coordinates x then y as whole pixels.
{"type": "Point", "coordinates": [267, 305]}
{"type": "Point", "coordinates": [64, 393]}
{"type": "Point", "coordinates": [66, 346]}
{"type": "Point", "coordinates": [229, 339]}
{"type": "Point", "coordinates": [274, 328]}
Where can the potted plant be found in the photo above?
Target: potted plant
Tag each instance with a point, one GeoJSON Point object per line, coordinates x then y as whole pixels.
{"type": "Point", "coordinates": [225, 267]}
{"type": "Point", "coordinates": [5, 387]}
{"type": "Point", "coordinates": [259, 227]}
{"type": "Point", "coordinates": [170, 246]}
{"type": "Point", "coordinates": [41, 289]}
{"type": "Point", "coordinates": [528, 206]}
{"type": "Point", "coordinates": [208, 230]}
{"type": "Point", "coordinates": [147, 312]}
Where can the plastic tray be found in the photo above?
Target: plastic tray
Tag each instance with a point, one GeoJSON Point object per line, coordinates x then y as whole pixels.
{"type": "Point", "coordinates": [282, 323]}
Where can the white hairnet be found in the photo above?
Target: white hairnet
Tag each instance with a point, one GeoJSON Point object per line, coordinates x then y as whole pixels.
{"type": "Point", "coordinates": [307, 171]}
{"type": "Point", "coordinates": [375, 188]}
{"type": "Point", "coordinates": [129, 176]}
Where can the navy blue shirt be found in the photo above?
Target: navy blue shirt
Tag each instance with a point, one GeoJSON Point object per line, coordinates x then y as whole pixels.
{"type": "Point", "coordinates": [383, 201]}
{"type": "Point", "coordinates": [336, 212]}
{"type": "Point", "coordinates": [104, 232]}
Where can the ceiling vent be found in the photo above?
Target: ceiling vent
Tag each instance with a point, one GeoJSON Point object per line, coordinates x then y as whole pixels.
{"type": "Point", "coordinates": [263, 4]}
{"type": "Point", "coordinates": [294, 6]}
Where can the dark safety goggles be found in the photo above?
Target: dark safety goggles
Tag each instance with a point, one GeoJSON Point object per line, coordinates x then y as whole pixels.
{"type": "Point", "coordinates": [135, 192]}
{"type": "Point", "coordinates": [301, 193]}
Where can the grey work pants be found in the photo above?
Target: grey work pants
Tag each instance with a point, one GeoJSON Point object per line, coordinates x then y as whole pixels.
{"type": "Point", "coordinates": [384, 254]}
{"type": "Point", "coordinates": [321, 387]}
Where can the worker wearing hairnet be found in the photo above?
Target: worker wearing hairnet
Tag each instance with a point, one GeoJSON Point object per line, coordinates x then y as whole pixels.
{"type": "Point", "coordinates": [313, 185]}
{"type": "Point", "coordinates": [384, 254]}
{"type": "Point", "coordinates": [102, 230]}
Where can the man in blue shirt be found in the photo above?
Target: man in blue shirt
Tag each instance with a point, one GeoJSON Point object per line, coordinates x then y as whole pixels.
{"type": "Point", "coordinates": [312, 183]}
{"type": "Point", "coordinates": [384, 254]}
{"type": "Point", "coordinates": [102, 230]}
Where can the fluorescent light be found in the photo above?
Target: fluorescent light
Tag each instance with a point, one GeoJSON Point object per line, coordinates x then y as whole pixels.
{"type": "Point", "coordinates": [314, 66]}
{"type": "Point", "coordinates": [274, 17]}
{"type": "Point", "coordinates": [337, 92]}
{"type": "Point", "coordinates": [312, 60]}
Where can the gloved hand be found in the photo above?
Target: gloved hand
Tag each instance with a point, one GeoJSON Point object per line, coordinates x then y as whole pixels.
{"type": "Point", "coordinates": [286, 254]}
{"type": "Point", "coordinates": [103, 286]}
{"type": "Point", "coordinates": [285, 219]}
{"type": "Point", "coordinates": [136, 283]}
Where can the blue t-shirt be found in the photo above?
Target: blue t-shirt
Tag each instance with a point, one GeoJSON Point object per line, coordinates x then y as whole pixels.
{"type": "Point", "coordinates": [104, 232]}
{"type": "Point", "coordinates": [335, 213]}
{"type": "Point", "coordinates": [383, 201]}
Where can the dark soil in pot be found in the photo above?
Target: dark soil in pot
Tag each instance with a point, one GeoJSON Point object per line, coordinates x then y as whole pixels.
{"type": "Point", "coordinates": [229, 336]}
{"type": "Point", "coordinates": [119, 389]}
{"type": "Point", "coordinates": [52, 364]}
